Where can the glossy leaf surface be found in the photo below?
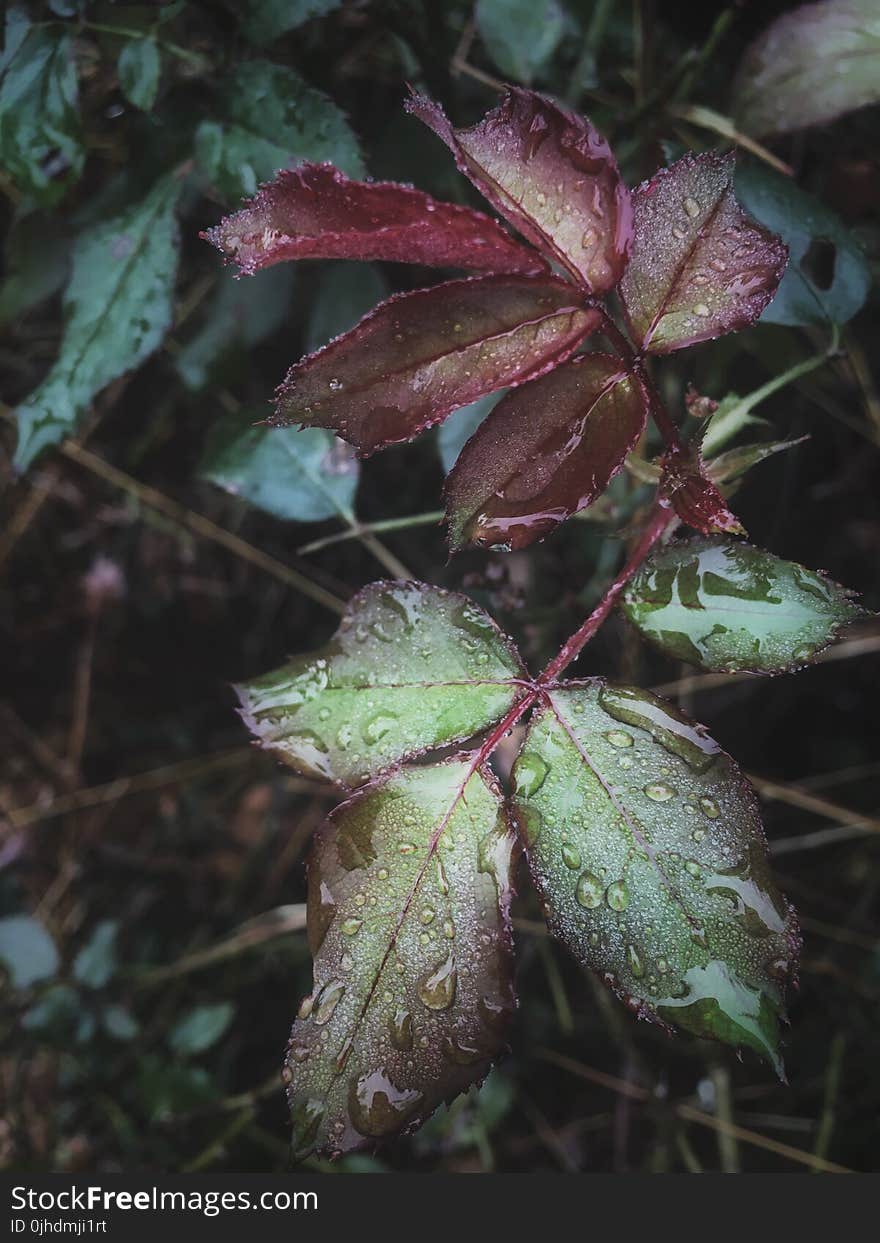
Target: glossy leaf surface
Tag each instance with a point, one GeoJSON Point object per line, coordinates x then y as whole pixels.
{"type": "Point", "coordinates": [410, 668]}
{"type": "Point", "coordinates": [552, 175]}
{"type": "Point", "coordinates": [700, 266]}
{"type": "Point", "coordinates": [728, 606]}
{"type": "Point", "coordinates": [547, 450]}
{"type": "Point", "coordinates": [692, 494]}
{"type": "Point", "coordinates": [827, 278]}
{"type": "Point", "coordinates": [409, 889]}
{"type": "Point", "coordinates": [118, 308]}
{"type": "Point", "coordinates": [420, 355]}
{"type": "Point", "coordinates": [316, 212]}
{"type": "Point", "coordinates": [454, 432]}
{"type": "Point", "coordinates": [645, 843]}
{"type": "Point", "coordinates": [811, 65]}
{"type": "Point", "coordinates": [302, 474]}
{"type": "Point", "coordinates": [272, 119]}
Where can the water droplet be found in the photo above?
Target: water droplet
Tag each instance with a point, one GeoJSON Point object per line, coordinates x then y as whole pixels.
{"type": "Point", "coordinates": [448, 929]}
{"type": "Point", "coordinates": [678, 232]}
{"type": "Point", "coordinates": [530, 774]}
{"type": "Point", "coordinates": [718, 264]}
{"type": "Point", "coordinates": [594, 938]}
{"type": "Point", "coordinates": [662, 966]}
{"type": "Point", "coordinates": [698, 834]}
{"type": "Point", "coordinates": [659, 791]}
{"type": "Point", "coordinates": [462, 1051]}
{"type": "Point", "coordinates": [692, 207]}
{"type": "Point", "coordinates": [702, 310]}
{"type": "Point", "coordinates": [427, 915]}
{"type": "Point", "coordinates": [378, 1107]}
{"type": "Point", "coordinates": [286, 1075]}
{"type": "Point", "coordinates": [335, 385]}
{"type": "Point", "coordinates": [351, 926]}
{"type": "Point", "coordinates": [710, 808]}
{"type": "Point", "coordinates": [617, 895]}
{"type": "Point", "coordinates": [327, 1001]}
{"type": "Point", "coordinates": [692, 869]}
{"type": "Point", "coordinates": [360, 899]}
{"type": "Point", "coordinates": [406, 848]}
{"type": "Point", "coordinates": [588, 241]}
{"type": "Point", "coordinates": [441, 877]}
{"type": "Point", "coordinates": [305, 1115]}
{"type": "Point", "coordinates": [619, 738]}
{"type": "Point", "coordinates": [378, 726]}
{"type": "Point", "coordinates": [589, 891]}
{"type": "Point", "coordinates": [570, 857]}
{"type": "Point", "coordinates": [305, 1007]}
{"type": "Point", "coordinates": [634, 962]}
{"type": "Point", "coordinates": [401, 1030]}
{"type": "Point", "coordinates": [346, 962]}
{"type": "Point", "coordinates": [437, 988]}
{"type": "Point", "coordinates": [383, 873]}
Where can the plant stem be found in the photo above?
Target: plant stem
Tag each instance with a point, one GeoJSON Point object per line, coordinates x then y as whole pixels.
{"type": "Point", "coordinates": [636, 365]}
{"type": "Point", "coordinates": [360, 529]}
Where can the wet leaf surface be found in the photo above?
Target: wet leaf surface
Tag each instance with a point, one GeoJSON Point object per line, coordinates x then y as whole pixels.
{"type": "Point", "coordinates": [727, 606]}
{"type": "Point", "coordinates": [418, 356]}
{"type": "Point", "coordinates": [700, 266]}
{"type": "Point", "coordinates": [692, 494]}
{"type": "Point", "coordinates": [547, 450]}
{"type": "Point", "coordinates": [409, 889]}
{"type": "Point", "coordinates": [411, 668]}
{"type": "Point", "coordinates": [645, 842]}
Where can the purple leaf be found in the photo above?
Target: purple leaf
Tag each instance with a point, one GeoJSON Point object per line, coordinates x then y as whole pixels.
{"type": "Point", "coordinates": [316, 212]}
{"type": "Point", "coordinates": [700, 266]}
{"type": "Point", "coordinates": [420, 355]}
{"type": "Point", "coordinates": [693, 495]}
{"type": "Point", "coordinates": [552, 176]}
{"type": "Point", "coordinates": [545, 451]}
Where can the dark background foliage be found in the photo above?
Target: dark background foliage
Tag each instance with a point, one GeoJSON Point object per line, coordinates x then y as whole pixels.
{"type": "Point", "coordinates": [152, 862]}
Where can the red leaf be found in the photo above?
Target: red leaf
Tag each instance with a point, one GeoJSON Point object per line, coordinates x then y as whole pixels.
{"type": "Point", "coordinates": [552, 176]}
{"type": "Point", "coordinates": [420, 355]}
{"type": "Point", "coordinates": [694, 496]}
{"type": "Point", "coordinates": [316, 212]}
{"type": "Point", "coordinates": [700, 266]}
{"type": "Point", "coordinates": [545, 451]}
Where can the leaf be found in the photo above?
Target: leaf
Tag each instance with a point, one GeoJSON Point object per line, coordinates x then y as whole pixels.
{"type": "Point", "coordinates": [139, 67]}
{"type": "Point", "coordinates": [200, 1028]}
{"type": "Point", "coordinates": [37, 263]}
{"type": "Point", "coordinates": [118, 307]}
{"type": "Point", "coordinates": [410, 668]}
{"type": "Point", "coordinates": [409, 889]}
{"type": "Point", "coordinates": [729, 607]}
{"type": "Point", "coordinates": [700, 266]}
{"type": "Point", "coordinates": [685, 485]}
{"type": "Point", "coordinates": [271, 119]}
{"type": "Point", "coordinates": [420, 355]}
{"type": "Point", "coordinates": [263, 21]}
{"type": "Point", "coordinates": [304, 475]}
{"type": "Point", "coordinates": [27, 950]}
{"type": "Point", "coordinates": [552, 175]}
{"type": "Point", "coordinates": [736, 462]}
{"type": "Point", "coordinates": [345, 293]}
{"type": "Point", "coordinates": [316, 212]}
{"type": "Point", "coordinates": [96, 963]}
{"type": "Point", "coordinates": [646, 846]}
{"type": "Point", "coordinates": [455, 431]}
{"type": "Point", "coordinates": [244, 312]}
{"type": "Point", "coordinates": [828, 278]}
{"type": "Point", "coordinates": [521, 35]}
{"type": "Point", "coordinates": [119, 1023]}
{"type": "Point", "coordinates": [809, 67]}
{"type": "Point", "coordinates": [547, 450]}
{"type": "Point", "coordinates": [41, 145]}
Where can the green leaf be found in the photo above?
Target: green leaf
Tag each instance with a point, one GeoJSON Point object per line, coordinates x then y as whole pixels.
{"type": "Point", "coordinates": [264, 20]}
{"type": "Point", "coordinates": [810, 66]}
{"type": "Point", "coordinates": [736, 462]}
{"type": "Point", "coordinates": [139, 67]}
{"type": "Point", "coordinates": [828, 278]}
{"type": "Point", "coordinates": [646, 846]}
{"type": "Point", "coordinates": [410, 668]}
{"type": "Point", "coordinates": [200, 1028]}
{"type": "Point", "coordinates": [37, 259]}
{"type": "Point", "coordinates": [346, 291]}
{"type": "Point", "coordinates": [119, 1022]}
{"type": "Point", "coordinates": [727, 606]}
{"type": "Point", "coordinates": [303, 475]}
{"type": "Point", "coordinates": [96, 962]}
{"type": "Point", "coordinates": [409, 890]}
{"type": "Point", "coordinates": [271, 119]}
{"type": "Point", "coordinates": [40, 132]}
{"type": "Point", "coordinates": [453, 435]}
{"type": "Point", "coordinates": [118, 308]}
{"type": "Point", "coordinates": [27, 950]}
{"type": "Point", "coordinates": [241, 312]}
{"type": "Point", "coordinates": [521, 35]}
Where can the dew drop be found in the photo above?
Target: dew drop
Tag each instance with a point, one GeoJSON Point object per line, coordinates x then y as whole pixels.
{"type": "Point", "coordinates": [692, 207]}
{"type": "Point", "coordinates": [530, 774]}
{"type": "Point", "coordinates": [406, 848]}
{"type": "Point", "coordinates": [678, 232]}
{"type": "Point", "coordinates": [378, 726]}
{"type": "Point", "coordinates": [437, 988]}
{"type": "Point", "coordinates": [588, 241]}
{"type": "Point", "coordinates": [619, 738]}
{"type": "Point", "coordinates": [305, 1007]}
{"type": "Point", "coordinates": [702, 310]}
{"type": "Point", "coordinates": [709, 808]}
{"type": "Point", "coordinates": [351, 926]}
{"type": "Point", "coordinates": [306, 1117]}
{"type": "Point", "coordinates": [570, 857]}
{"type": "Point", "coordinates": [462, 1052]}
{"type": "Point", "coordinates": [378, 1107]}
{"type": "Point", "coordinates": [335, 385]}
{"type": "Point", "coordinates": [617, 895]}
{"type": "Point", "coordinates": [286, 1075]}
{"type": "Point", "coordinates": [692, 869]}
{"type": "Point", "coordinates": [427, 915]}
{"type": "Point", "coordinates": [401, 1030]}
{"type": "Point", "coordinates": [698, 834]}
{"type": "Point", "coordinates": [659, 792]}
{"type": "Point", "coordinates": [589, 892]}
{"type": "Point", "coordinates": [327, 1001]}
{"type": "Point", "coordinates": [634, 962]}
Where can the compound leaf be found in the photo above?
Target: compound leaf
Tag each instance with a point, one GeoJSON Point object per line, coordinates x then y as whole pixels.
{"type": "Point", "coordinates": [409, 889]}
{"type": "Point", "coordinates": [547, 450]}
{"type": "Point", "coordinates": [118, 307]}
{"type": "Point", "coordinates": [552, 175]}
{"type": "Point", "coordinates": [420, 355]}
{"type": "Point", "coordinates": [316, 212]}
{"type": "Point", "coordinates": [700, 266]}
{"type": "Point", "coordinates": [809, 67]}
{"type": "Point", "coordinates": [728, 606]}
{"type": "Point", "coordinates": [410, 668]}
{"type": "Point", "coordinates": [645, 843]}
